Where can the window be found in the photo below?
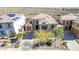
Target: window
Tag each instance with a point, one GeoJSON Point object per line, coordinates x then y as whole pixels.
{"type": "Point", "coordinates": [37, 27]}
{"type": "Point", "coordinates": [0, 26]}
{"type": "Point", "coordinates": [28, 27]}
{"type": "Point", "coordinates": [67, 23]}
{"type": "Point", "coordinates": [30, 22]}
{"type": "Point", "coordinates": [37, 22]}
{"type": "Point", "coordinates": [1, 33]}
{"type": "Point", "coordinates": [52, 26]}
{"type": "Point", "coordinates": [20, 30]}
{"type": "Point", "coordinates": [9, 25]}
{"type": "Point", "coordinates": [43, 23]}
{"type": "Point", "coordinates": [44, 27]}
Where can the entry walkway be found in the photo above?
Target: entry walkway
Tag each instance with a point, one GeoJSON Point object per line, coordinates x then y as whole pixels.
{"type": "Point", "coordinates": [72, 45]}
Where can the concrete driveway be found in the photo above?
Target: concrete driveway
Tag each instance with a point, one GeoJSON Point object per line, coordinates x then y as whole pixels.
{"type": "Point", "coordinates": [68, 35]}
{"type": "Point", "coordinates": [72, 45]}
{"type": "Point", "coordinates": [28, 35]}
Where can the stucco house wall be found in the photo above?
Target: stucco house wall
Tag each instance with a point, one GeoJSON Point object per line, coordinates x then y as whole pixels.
{"type": "Point", "coordinates": [75, 28]}
{"type": "Point", "coordinates": [18, 24]}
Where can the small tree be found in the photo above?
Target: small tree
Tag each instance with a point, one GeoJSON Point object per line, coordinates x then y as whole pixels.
{"type": "Point", "coordinates": [58, 32]}
{"type": "Point", "coordinates": [43, 37]}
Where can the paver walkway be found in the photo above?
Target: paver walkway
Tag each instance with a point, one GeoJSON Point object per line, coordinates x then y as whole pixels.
{"type": "Point", "coordinates": [72, 45]}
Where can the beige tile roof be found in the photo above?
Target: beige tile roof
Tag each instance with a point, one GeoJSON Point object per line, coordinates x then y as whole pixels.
{"type": "Point", "coordinates": [68, 17]}
{"type": "Point", "coordinates": [40, 16]}
{"type": "Point", "coordinates": [45, 17]}
{"type": "Point", "coordinates": [5, 19]}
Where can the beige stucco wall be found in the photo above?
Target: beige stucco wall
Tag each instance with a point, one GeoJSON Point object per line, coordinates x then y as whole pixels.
{"type": "Point", "coordinates": [75, 29]}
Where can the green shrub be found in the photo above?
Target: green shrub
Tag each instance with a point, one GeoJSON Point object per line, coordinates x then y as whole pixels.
{"type": "Point", "coordinates": [13, 34]}
{"type": "Point", "coordinates": [49, 43]}
{"type": "Point", "coordinates": [19, 36]}
{"type": "Point", "coordinates": [58, 32]}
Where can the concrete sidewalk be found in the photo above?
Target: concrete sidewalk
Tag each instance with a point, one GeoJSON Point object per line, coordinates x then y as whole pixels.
{"type": "Point", "coordinates": [72, 45]}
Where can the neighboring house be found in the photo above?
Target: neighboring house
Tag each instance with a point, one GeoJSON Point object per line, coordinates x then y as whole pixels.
{"type": "Point", "coordinates": [75, 25]}
{"type": "Point", "coordinates": [41, 22]}
{"type": "Point", "coordinates": [67, 21]}
{"type": "Point", "coordinates": [11, 22]}
{"type": "Point", "coordinates": [71, 22]}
